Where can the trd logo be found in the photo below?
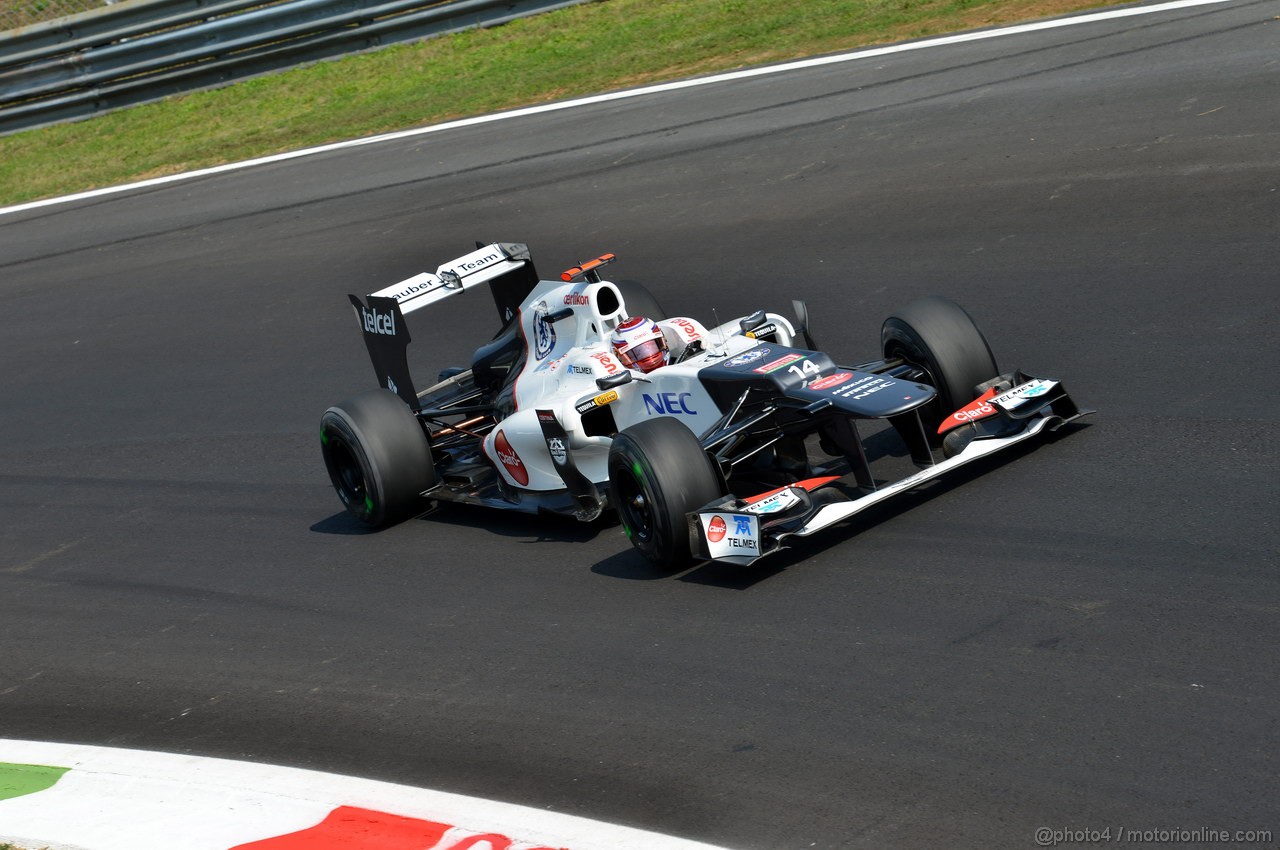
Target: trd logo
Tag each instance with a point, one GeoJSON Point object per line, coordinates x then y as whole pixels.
{"type": "Point", "coordinates": [669, 404]}
{"type": "Point", "coordinates": [378, 323]}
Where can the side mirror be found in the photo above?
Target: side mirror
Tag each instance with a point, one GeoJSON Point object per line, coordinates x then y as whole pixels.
{"type": "Point", "coordinates": [752, 322]}
{"type": "Point", "coordinates": [612, 382]}
{"type": "Point", "coordinates": [802, 318]}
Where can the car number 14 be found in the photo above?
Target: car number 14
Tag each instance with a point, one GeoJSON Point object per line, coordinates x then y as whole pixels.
{"type": "Point", "coordinates": [804, 370]}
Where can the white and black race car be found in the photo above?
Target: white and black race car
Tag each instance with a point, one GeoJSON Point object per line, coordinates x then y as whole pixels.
{"type": "Point", "coordinates": [711, 456]}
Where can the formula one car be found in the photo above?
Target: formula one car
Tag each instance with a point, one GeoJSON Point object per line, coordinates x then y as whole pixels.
{"type": "Point", "coordinates": [702, 445]}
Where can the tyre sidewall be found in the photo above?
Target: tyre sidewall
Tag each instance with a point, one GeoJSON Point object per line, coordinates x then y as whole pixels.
{"type": "Point", "coordinates": [675, 475]}
{"type": "Point", "coordinates": [382, 437]}
{"type": "Point", "coordinates": [940, 336]}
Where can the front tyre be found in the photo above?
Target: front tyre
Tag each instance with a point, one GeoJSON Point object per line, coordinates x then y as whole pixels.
{"type": "Point", "coordinates": [378, 457]}
{"type": "Point", "coordinates": [938, 336]}
{"type": "Point", "coordinates": [658, 472]}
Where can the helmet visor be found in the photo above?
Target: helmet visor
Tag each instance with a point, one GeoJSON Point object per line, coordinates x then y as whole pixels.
{"type": "Point", "coordinates": [643, 352]}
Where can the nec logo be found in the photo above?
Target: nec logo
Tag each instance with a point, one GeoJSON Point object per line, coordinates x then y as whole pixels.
{"type": "Point", "coordinates": [378, 323]}
{"type": "Point", "coordinates": [669, 404]}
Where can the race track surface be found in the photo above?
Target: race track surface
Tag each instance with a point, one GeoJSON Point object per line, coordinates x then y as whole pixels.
{"type": "Point", "coordinates": [1081, 636]}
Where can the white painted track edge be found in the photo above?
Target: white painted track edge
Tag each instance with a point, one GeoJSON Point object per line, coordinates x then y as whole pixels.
{"type": "Point", "coordinates": [978, 35]}
{"type": "Point", "coordinates": [212, 782]}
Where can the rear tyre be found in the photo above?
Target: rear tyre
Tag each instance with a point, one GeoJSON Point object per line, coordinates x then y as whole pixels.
{"type": "Point", "coordinates": [639, 301]}
{"type": "Point", "coordinates": [378, 457]}
{"type": "Point", "coordinates": [939, 337]}
{"type": "Point", "coordinates": [658, 472]}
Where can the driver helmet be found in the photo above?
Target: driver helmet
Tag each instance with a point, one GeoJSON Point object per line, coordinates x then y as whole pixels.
{"type": "Point", "coordinates": [639, 344]}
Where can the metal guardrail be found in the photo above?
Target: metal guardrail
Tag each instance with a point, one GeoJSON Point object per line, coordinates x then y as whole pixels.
{"type": "Point", "coordinates": [143, 50]}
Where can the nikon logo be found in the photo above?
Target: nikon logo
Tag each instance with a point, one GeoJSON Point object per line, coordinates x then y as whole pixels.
{"type": "Point", "coordinates": [378, 323]}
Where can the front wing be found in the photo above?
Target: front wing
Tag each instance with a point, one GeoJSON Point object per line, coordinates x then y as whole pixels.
{"type": "Point", "coordinates": [743, 530]}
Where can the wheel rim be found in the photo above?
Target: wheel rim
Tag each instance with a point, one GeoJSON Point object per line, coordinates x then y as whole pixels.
{"type": "Point", "coordinates": [896, 350]}
{"type": "Point", "coordinates": [349, 476]}
{"type": "Point", "coordinates": [637, 514]}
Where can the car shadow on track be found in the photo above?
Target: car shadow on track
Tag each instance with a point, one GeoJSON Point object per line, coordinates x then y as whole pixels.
{"type": "Point", "coordinates": [541, 528]}
{"type": "Point", "coordinates": [633, 566]}
{"type": "Point", "coordinates": [342, 523]}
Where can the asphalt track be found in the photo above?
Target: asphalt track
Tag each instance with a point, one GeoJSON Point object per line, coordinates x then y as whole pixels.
{"type": "Point", "coordinates": [1083, 636]}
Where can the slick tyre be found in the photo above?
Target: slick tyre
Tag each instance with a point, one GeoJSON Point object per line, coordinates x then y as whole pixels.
{"type": "Point", "coordinates": [378, 457]}
{"type": "Point", "coordinates": [658, 472]}
{"type": "Point", "coordinates": [939, 337]}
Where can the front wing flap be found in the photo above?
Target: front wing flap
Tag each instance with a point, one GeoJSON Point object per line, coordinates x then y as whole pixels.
{"type": "Point", "coordinates": [743, 530]}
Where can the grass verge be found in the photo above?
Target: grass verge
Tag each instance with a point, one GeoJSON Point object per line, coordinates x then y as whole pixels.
{"type": "Point", "coordinates": [582, 50]}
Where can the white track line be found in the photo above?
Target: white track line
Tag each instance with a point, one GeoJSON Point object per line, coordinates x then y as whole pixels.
{"type": "Point", "coordinates": [115, 799]}
{"type": "Point", "coordinates": [623, 95]}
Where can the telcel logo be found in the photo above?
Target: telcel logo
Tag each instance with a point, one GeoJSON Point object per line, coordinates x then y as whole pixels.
{"type": "Point", "coordinates": [379, 323]}
{"type": "Point", "coordinates": [669, 404]}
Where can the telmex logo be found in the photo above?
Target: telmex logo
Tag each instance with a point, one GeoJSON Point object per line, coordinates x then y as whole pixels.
{"type": "Point", "coordinates": [776, 503]}
{"type": "Point", "coordinates": [668, 404]}
{"type": "Point", "coordinates": [378, 323]}
{"type": "Point", "coordinates": [1020, 394]}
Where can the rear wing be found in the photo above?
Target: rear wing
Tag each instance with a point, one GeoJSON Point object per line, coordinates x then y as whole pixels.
{"type": "Point", "coordinates": [506, 266]}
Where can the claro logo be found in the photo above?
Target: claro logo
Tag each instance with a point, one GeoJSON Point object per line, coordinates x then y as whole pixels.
{"type": "Point", "coordinates": [510, 459]}
{"type": "Point", "coordinates": [378, 323]}
{"type": "Point", "coordinates": [979, 408]}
